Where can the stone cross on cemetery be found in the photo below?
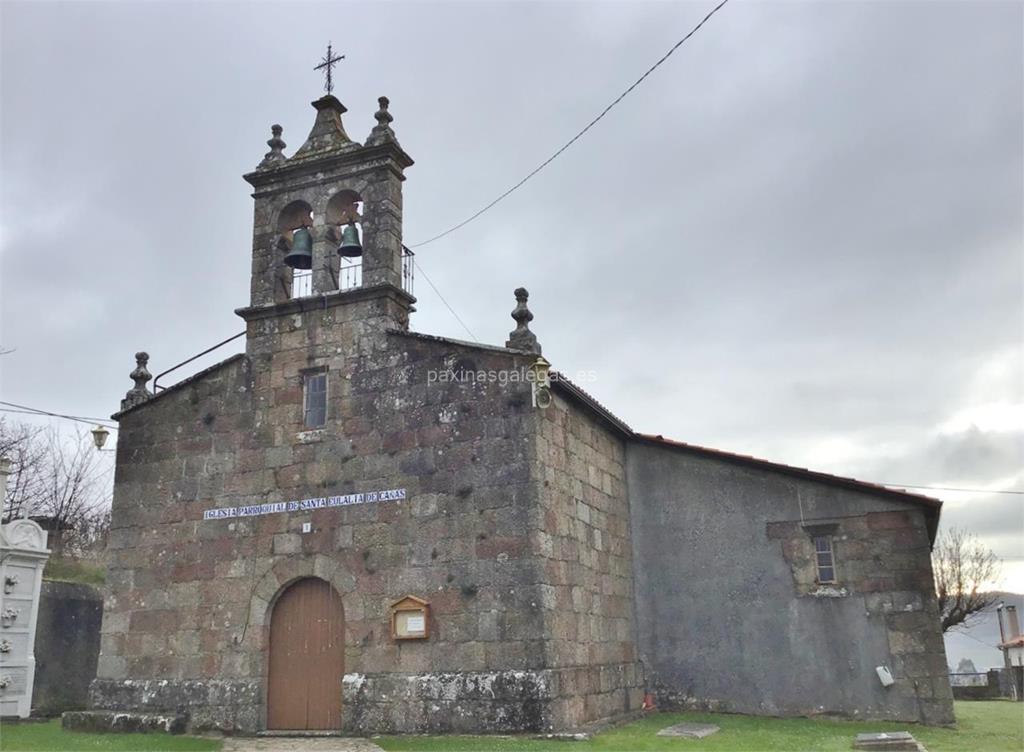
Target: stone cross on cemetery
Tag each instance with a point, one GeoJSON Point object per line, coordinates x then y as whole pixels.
{"type": "Point", "coordinates": [327, 64]}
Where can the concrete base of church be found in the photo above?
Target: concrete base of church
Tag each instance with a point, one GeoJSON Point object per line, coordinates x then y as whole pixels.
{"type": "Point", "coordinates": [492, 701]}
{"type": "Point", "coordinates": [472, 702]}
{"type": "Point", "coordinates": [519, 701]}
{"type": "Point", "coordinates": [209, 705]}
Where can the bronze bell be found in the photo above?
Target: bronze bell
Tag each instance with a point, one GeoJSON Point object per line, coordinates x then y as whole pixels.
{"type": "Point", "coordinates": [301, 254]}
{"type": "Point", "coordinates": [350, 245]}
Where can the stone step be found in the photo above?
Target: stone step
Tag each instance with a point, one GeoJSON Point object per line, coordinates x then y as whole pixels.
{"type": "Point", "coordinates": [118, 721]}
{"type": "Point", "coordinates": [891, 740]}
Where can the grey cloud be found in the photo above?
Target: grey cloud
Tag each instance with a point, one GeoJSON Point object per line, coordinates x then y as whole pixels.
{"type": "Point", "coordinates": [971, 457]}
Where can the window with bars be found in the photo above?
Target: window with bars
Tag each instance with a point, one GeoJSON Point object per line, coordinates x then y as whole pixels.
{"type": "Point", "coordinates": [824, 558]}
{"type": "Point", "coordinates": [315, 399]}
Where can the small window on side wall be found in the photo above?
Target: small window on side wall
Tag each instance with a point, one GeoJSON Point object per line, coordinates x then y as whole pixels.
{"type": "Point", "coordinates": [824, 558]}
{"type": "Point", "coordinates": [315, 399]}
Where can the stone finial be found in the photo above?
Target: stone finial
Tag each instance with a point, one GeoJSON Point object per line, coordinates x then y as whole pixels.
{"type": "Point", "coordinates": [382, 116]}
{"type": "Point", "coordinates": [138, 393]}
{"type": "Point", "coordinates": [522, 338]}
{"type": "Point", "coordinates": [276, 153]}
{"type": "Point", "coordinates": [382, 132]}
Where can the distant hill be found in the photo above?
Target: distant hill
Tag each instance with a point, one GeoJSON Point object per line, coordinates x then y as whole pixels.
{"type": "Point", "coordinates": [978, 643]}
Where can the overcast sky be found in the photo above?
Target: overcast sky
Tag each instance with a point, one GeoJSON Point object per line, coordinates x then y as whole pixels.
{"type": "Point", "coordinates": [800, 238]}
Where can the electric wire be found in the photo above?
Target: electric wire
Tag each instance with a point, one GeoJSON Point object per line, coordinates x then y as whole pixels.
{"type": "Point", "coordinates": [947, 488]}
{"type": "Point", "coordinates": [434, 288]}
{"type": "Point", "coordinates": [976, 639]}
{"type": "Point", "coordinates": [575, 138]}
{"type": "Point", "coordinates": [26, 410]}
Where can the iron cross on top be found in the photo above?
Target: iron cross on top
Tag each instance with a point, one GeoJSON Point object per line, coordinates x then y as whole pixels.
{"type": "Point", "coordinates": [327, 64]}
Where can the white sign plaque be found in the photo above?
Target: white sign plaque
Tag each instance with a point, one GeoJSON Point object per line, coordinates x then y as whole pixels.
{"type": "Point", "coordinates": [415, 624]}
{"type": "Point", "coordinates": [256, 510]}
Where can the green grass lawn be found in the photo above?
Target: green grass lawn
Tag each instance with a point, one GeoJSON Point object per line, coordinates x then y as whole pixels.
{"type": "Point", "coordinates": [983, 727]}
{"type": "Point", "coordinates": [50, 736]}
{"type": "Point", "coordinates": [74, 570]}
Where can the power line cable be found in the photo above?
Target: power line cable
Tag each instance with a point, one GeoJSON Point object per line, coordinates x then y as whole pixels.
{"type": "Point", "coordinates": [575, 138]}
{"type": "Point", "coordinates": [25, 410]}
{"type": "Point", "coordinates": [965, 633]}
{"type": "Point", "coordinates": [434, 288]}
{"type": "Point", "coordinates": [947, 488]}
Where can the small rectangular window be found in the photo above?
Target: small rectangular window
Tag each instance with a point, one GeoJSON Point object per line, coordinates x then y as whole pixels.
{"type": "Point", "coordinates": [824, 558]}
{"type": "Point", "coordinates": [315, 403]}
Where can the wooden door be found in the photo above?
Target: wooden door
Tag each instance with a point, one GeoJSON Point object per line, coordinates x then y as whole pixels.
{"type": "Point", "coordinates": [307, 658]}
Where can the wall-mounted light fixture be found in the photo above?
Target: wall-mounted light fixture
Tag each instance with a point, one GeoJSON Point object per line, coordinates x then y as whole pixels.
{"type": "Point", "coordinates": [540, 384]}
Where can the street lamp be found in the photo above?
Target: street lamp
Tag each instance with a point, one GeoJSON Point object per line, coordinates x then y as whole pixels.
{"type": "Point", "coordinates": [99, 437]}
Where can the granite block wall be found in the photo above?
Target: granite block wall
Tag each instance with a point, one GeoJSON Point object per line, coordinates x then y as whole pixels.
{"type": "Point", "coordinates": [584, 543]}
{"type": "Point", "coordinates": [883, 561]}
{"type": "Point", "coordinates": [190, 599]}
{"type": "Point", "coordinates": [730, 616]}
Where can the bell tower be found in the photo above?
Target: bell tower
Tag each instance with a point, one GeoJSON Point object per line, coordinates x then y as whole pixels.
{"type": "Point", "coordinates": [327, 227]}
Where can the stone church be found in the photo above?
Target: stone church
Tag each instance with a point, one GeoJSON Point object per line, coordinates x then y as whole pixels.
{"type": "Point", "coordinates": [353, 526]}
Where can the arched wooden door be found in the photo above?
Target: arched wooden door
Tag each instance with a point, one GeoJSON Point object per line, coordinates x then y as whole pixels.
{"type": "Point", "coordinates": [307, 658]}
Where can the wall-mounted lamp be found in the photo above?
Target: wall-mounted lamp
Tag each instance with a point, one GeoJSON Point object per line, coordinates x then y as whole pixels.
{"type": "Point", "coordinates": [541, 382]}
{"type": "Point", "coordinates": [99, 437]}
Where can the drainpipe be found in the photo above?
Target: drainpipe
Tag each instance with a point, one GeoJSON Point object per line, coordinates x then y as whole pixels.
{"type": "Point", "coordinates": [1013, 627]}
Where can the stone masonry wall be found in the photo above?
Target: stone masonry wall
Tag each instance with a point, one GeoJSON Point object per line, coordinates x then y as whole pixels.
{"type": "Point", "coordinates": [583, 539]}
{"type": "Point", "coordinates": [730, 618]}
{"type": "Point", "coordinates": [175, 611]}
{"type": "Point", "coordinates": [190, 600]}
{"type": "Point", "coordinates": [884, 558]}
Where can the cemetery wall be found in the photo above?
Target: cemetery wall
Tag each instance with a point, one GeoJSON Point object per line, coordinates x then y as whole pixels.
{"type": "Point", "coordinates": [67, 646]}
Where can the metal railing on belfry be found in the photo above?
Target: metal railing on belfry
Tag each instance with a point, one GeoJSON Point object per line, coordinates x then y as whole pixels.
{"type": "Point", "coordinates": [350, 273]}
{"type": "Point", "coordinates": [302, 283]}
{"type": "Point", "coordinates": [157, 387]}
{"type": "Point", "coordinates": [408, 268]}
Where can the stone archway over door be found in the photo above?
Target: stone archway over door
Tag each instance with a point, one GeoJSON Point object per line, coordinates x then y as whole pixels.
{"type": "Point", "coordinates": [307, 658]}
